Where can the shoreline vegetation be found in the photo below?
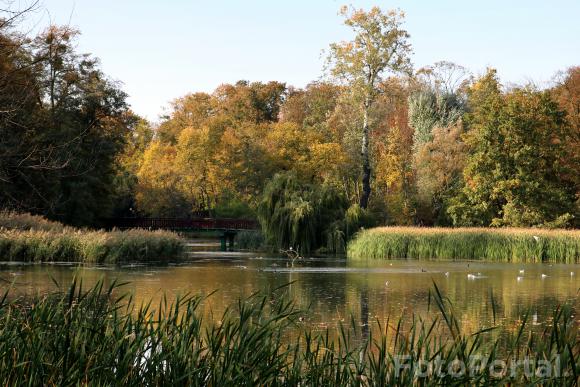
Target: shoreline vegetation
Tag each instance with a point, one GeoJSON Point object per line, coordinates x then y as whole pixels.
{"type": "Point", "coordinates": [98, 335]}
{"type": "Point", "coordinates": [489, 244]}
{"type": "Point", "coordinates": [30, 238]}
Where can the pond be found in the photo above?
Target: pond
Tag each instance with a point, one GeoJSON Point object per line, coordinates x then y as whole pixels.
{"type": "Point", "coordinates": [333, 288]}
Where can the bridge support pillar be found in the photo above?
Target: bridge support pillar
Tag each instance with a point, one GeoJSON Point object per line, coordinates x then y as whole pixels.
{"type": "Point", "coordinates": [227, 240]}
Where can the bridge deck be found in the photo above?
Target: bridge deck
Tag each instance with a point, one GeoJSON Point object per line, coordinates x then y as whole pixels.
{"type": "Point", "coordinates": [193, 224]}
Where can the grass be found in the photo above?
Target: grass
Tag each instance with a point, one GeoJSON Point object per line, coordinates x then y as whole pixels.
{"type": "Point", "coordinates": [501, 244]}
{"type": "Point", "coordinates": [100, 337]}
{"type": "Point", "coordinates": [30, 238]}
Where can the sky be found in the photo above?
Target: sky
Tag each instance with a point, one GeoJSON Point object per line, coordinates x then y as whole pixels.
{"type": "Point", "coordinates": [161, 50]}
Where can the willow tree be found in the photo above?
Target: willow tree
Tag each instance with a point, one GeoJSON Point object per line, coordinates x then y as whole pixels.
{"type": "Point", "coordinates": [379, 49]}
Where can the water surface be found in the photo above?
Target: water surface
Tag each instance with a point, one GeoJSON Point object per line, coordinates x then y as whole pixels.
{"type": "Point", "coordinates": [332, 288]}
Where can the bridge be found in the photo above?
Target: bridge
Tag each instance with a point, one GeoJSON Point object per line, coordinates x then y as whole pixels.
{"type": "Point", "coordinates": [227, 228]}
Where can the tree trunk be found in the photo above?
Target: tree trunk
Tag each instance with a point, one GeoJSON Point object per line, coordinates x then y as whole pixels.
{"type": "Point", "coordinates": [366, 163]}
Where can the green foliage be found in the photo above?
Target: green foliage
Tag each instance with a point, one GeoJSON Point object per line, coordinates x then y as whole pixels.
{"type": "Point", "coordinates": [514, 174]}
{"type": "Point", "coordinates": [300, 215]}
{"type": "Point", "coordinates": [232, 207]}
{"type": "Point", "coordinates": [71, 150]}
{"type": "Point", "coordinates": [428, 109]}
{"type": "Point", "coordinates": [502, 245]}
{"type": "Point", "coordinates": [250, 240]}
{"type": "Point", "coordinates": [357, 218]}
{"type": "Point", "coordinates": [100, 336]}
{"type": "Point", "coordinates": [62, 124]}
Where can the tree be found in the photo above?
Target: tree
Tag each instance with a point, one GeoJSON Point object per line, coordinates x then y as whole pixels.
{"type": "Point", "coordinates": [444, 78]}
{"type": "Point", "coordinates": [429, 109]}
{"type": "Point", "coordinates": [301, 215]}
{"type": "Point", "coordinates": [62, 125]}
{"type": "Point", "coordinates": [87, 118]}
{"type": "Point", "coordinates": [379, 47]}
{"type": "Point", "coordinates": [394, 176]}
{"type": "Point", "coordinates": [567, 94]}
{"type": "Point", "coordinates": [159, 191]}
{"type": "Point", "coordinates": [128, 162]}
{"type": "Point", "coordinates": [513, 175]}
{"type": "Point", "coordinates": [439, 164]}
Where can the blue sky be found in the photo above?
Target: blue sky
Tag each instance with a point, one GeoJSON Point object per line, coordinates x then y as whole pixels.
{"type": "Point", "coordinates": [161, 50]}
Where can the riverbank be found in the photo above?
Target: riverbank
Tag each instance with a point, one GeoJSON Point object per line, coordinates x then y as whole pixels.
{"type": "Point", "coordinates": [30, 238]}
{"type": "Point", "coordinates": [499, 245]}
{"type": "Point", "coordinates": [118, 342]}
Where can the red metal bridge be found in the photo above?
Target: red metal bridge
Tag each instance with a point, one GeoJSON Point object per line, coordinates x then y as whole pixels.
{"type": "Point", "coordinates": [182, 224]}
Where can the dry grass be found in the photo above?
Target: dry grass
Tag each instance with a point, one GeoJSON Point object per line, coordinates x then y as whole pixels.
{"type": "Point", "coordinates": [22, 221]}
{"type": "Point", "coordinates": [29, 238]}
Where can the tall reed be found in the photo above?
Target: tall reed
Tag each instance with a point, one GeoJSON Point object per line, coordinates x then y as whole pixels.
{"type": "Point", "coordinates": [30, 238]}
{"type": "Point", "coordinates": [502, 244]}
{"type": "Point", "coordinates": [12, 220]}
{"type": "Point", "coordinates": [100, 337]}
{"type": "Point", "coordinates": [90, 246]}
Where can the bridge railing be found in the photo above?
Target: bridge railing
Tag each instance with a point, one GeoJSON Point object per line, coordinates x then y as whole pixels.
{"type": "Point", "coordinates": [184, 224]}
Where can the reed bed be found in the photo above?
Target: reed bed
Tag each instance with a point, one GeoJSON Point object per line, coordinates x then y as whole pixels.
{"type": "Point", "coordinates": [30, 238]}
{"type": "Point", "coordinates": [501, 244]}
{"type": "Point", "coordinates": [100, 337]}
{"type": "Point", "coordinates": [12, 220]}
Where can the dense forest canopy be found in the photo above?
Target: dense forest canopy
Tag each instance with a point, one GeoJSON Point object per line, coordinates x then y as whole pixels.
{"type": "Point", "coordinates": [433, 146]}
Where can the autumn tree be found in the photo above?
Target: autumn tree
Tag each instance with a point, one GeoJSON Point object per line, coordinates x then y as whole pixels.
{"type": "Point", "coordinates": [435, 109]}
{"type": "Point", "coordinates": [379, 47]}
{"type": "Point", "coordinates": [513, 173]}
{"type": "Point", "coordinates": [567, 94]}
{"type": "Point", "coordinates": [439, 165]}
{"type": "Point", "coordinates": [128, 162]}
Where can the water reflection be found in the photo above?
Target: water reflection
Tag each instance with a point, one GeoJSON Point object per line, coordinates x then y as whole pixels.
{"type": "Point", "coordinates": [333, 289]}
